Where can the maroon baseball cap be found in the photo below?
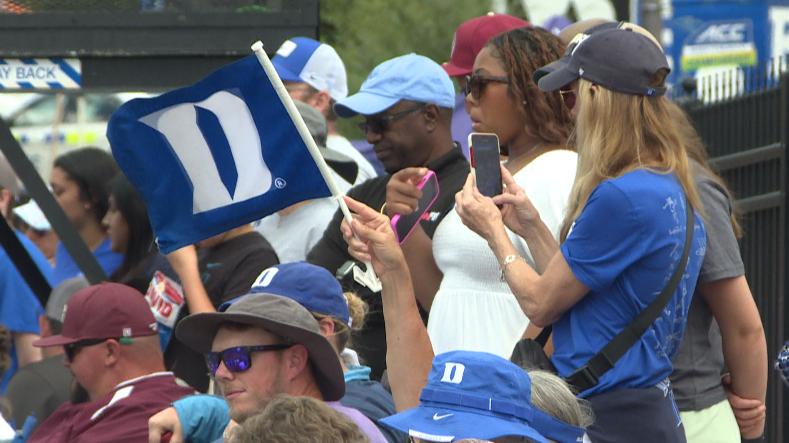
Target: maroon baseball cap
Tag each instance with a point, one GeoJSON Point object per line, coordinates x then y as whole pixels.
{"type": "Point", "coordinates": [472, 35]}
{"type": "Point", "coordinates": [106, 310]}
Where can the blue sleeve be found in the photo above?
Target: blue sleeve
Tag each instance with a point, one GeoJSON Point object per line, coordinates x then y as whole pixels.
{"type": "Point", "coordinates": [605, 239]}
{"type": "Point", "coordinates": [19, 306]}
{"type": "Point", "coordinates": [202, 417]}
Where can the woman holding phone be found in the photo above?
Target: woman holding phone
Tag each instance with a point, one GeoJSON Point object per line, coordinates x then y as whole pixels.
{"type": "Point", "coordinates": [623, 237]}
{"type": "Point", "coordinates": [457, 276]}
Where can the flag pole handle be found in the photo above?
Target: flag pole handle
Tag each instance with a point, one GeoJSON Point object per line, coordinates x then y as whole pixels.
{"type": "Point", "coordinates": [304, 132]}
{"type": "Point", "coordinates": [369, 278]}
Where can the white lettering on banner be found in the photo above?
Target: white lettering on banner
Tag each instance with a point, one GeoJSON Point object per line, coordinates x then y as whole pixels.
{"type": "Point", "coordinates": [265, 277]}
{"type": "Point", "coordinates": [453, 373]}
{"type": "Point", "coordinates": [723, 33]}
{"type": "Point", "coordinates": [178, 124]}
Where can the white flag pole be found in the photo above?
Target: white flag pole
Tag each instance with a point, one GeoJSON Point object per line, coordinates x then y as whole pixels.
{"type": "Point", "coordinates": [369, 278]}
{"type": "Point", "coordinates": [304, 132]}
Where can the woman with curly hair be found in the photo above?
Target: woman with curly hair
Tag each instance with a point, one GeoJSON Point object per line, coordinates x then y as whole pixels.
{"type": "Point", "coordinates": [457, 276]}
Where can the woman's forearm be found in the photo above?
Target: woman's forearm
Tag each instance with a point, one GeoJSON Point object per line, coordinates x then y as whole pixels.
{"type": "Point", "coordinates": [519, 275]}
{"type": "Point", "coordinates": [409, 353]}
{"type": "Point", "coordinates": [542, 244]}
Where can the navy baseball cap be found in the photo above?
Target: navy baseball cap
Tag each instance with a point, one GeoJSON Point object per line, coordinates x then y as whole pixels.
{"type": "Point", "coordinates": [310, 286]}
{"type": "Point", "coordinates": [476, 395]}
{"type": "Point", "coordinates": [408, 77]}
{"type": "Point", "coordinates": [617, 59]}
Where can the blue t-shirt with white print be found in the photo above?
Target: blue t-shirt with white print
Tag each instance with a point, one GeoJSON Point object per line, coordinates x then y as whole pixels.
{"type": "Point", "coordinates": [625, 246]}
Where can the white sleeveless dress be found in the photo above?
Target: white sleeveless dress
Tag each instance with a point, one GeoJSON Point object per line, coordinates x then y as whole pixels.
{"type": "Point", "coordinates": [473, 309]}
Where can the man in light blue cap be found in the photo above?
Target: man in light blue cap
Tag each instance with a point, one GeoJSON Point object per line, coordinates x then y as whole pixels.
{"type": "Point", "coordinates": [406, 103]}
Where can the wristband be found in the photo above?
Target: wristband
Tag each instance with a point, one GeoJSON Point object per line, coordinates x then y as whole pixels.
{"type": "Point", "coordinates": [760, 439]}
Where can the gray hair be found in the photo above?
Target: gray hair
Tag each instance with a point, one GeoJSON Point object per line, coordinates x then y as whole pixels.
{"type": "Point", "coordinates": [553, 395]}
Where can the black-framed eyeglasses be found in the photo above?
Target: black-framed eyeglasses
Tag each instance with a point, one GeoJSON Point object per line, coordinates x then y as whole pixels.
{"type": "Point", "coordinates": [568, 97]}
{"type": "Point", "coordinates": [475, 84]}
{"type": "Point", "coordinates": [380, 122]}
{"type": "Point", "coordinates": [71, 349]}
{"type": "Point", "coordinates": [239, 358]}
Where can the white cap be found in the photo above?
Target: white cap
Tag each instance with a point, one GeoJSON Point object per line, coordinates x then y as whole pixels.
{"type": "Point", "coordinates": [31, 214]}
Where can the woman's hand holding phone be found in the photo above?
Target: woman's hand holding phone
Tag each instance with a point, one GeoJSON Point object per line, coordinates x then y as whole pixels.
{"type": "Point", "coordinates": [478, 212]}
{"type": "Point", "coordinates": [374, 242]}
{"type": "Point", "coordinates": [517, 211]}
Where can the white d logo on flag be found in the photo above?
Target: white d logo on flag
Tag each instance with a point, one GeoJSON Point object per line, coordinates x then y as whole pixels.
{"type": "Point", "coordinates": [178, 124]}
{"type": "Point", "coordinates": [453, 373]}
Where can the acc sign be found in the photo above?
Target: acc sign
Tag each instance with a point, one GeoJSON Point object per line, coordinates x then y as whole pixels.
{"type": "Point", "coordinates": [184, 126]}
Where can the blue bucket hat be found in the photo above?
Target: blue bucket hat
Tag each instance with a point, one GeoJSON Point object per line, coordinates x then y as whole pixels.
{"type": "Point", "coordinates": [408, 77]}
{"type": "Point", "coordinates": [310, 286]}
{"type": "Point", "coordinates": [476, 395]}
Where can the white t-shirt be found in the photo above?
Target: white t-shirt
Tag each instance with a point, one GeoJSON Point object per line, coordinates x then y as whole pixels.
{"type": "Point", "coordinates": [473, 309]}
{"type": "Point", "coordinates": [343, 146]}
{"type": "Point", "coordinates": [293, 235]}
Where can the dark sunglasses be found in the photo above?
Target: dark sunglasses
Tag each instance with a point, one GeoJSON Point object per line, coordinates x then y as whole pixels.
{"type": "Point", "coordinates": [475, 84]}
{"type": "Point", "coordinates": [238, 359]}
{"type": "Point", "coordinates": [71, 349]}
{"type": "Point", "coordinates": [568, 97]}
{"type": "Point", "coordinates": [380, 123]}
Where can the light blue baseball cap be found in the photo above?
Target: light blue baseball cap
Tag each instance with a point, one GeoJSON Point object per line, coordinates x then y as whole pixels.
{"type": "Point", "coordinates": [407, 77]}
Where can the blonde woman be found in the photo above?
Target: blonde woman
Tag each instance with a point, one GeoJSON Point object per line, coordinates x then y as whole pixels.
{"type": "Point", "coordinates": [623, 236]}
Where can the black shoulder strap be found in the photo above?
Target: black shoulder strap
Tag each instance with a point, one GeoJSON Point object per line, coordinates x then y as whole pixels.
{"type": "Point", "coordinates": [589, 374]}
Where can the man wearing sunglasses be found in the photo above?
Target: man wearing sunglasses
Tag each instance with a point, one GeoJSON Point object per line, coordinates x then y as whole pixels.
{"type": "Point", "coordinates": [111, 345]}
{"type": "Point", "coordinates": [406, 106]}
{"type": "Point", "coordinates": [257, 347]}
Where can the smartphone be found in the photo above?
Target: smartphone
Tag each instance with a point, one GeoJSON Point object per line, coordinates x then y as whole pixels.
{"type": "Point", "coordinates": [486, 161]}
{"type": "Point", "coordinates": [403, 225]}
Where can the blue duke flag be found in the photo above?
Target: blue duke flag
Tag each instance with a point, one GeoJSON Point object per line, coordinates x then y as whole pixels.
{"type": "Point", "coordinates": [213, 156]}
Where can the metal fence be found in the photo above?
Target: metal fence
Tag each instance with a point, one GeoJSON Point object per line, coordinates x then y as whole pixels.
{"type": "Point", "coordinates": [742, 117]}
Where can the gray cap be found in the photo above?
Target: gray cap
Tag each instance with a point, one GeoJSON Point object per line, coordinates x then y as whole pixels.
{"type": "Point", "coordinates": [343, 165]}
{"type": "Point", "coordinates": [61, 294]}
{"type": "Point", "coordinates": [280, 316]}
{"type": "Point", "coordinates": [8, 179]}
{"type": "Point", "coordinates": [617, 59]}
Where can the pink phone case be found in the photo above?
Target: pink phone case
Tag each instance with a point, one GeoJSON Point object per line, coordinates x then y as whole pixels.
{"type": "Point", "coordinates": [397, 217]}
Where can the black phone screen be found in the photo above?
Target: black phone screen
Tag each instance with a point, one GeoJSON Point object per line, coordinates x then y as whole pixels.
{"type": "Point", "coordinates": [406, 223]}
{"type": "Point", "coordinates": [487, 163]}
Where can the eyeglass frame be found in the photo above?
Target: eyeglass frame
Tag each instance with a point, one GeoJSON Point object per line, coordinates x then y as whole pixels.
{"type": "Point", "coordinates": [482, 81]}
{"type": "Point", "coordinates": [379, 123]}
{"type": "Point", "coordinates": [246, 352]}
{"type": "Point", "coordinates": [565, 93]}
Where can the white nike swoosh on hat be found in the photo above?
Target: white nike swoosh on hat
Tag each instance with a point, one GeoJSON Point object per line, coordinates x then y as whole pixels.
{"type": "Point", "coordinates": [436, 416]}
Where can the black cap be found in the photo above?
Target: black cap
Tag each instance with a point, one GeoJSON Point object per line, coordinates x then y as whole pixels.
{"type": "Point", "coordinates": [617, 59]}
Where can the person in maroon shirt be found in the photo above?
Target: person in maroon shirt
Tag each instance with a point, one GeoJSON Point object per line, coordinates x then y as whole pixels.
{"type": "Point", "coordinates": [112, 347]}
